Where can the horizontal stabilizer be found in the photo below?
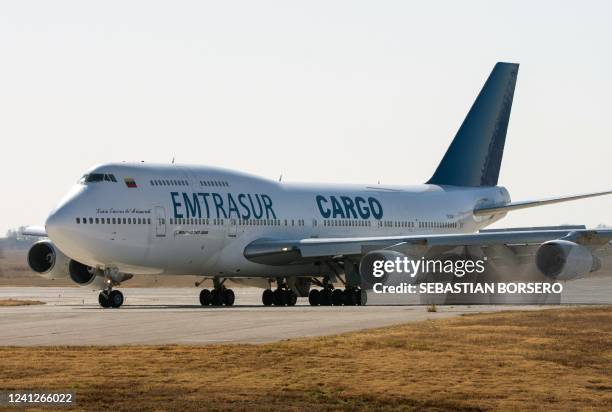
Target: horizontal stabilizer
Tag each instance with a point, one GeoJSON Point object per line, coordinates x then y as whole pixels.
{"type": "Point", "coordinates": [492, 210]}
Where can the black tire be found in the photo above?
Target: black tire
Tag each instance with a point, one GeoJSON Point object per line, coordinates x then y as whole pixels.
{"type": "Point", "coordinates": [229, 297]}
{"type": "Point", "coordinates": [290, 297]}
{"type": "Point", "coordinates": [362, 297]}
{"type": "Point", "coordinates": [337, 297]}
{"type": "Point", "coordinates": [346, 297]}
{"type": "Point", "coordinates": [103, 300]}
{"type": "Point", "coordinates": [115, 298]}
{"type": "Point", "coordinates": [216, 297]}
{"type": "Point", "coordinates": [279, 297]}
{"type": "Point", "coordinates": [325, 297]}
{"type": "Point", "coordinates": [267, 297]}
{"type": "Point", "coordinates": [352, 297]}
{"type": "Point", "coordinates": [205, 297]}
{"type": "Point", "coordinates": [313, 297]}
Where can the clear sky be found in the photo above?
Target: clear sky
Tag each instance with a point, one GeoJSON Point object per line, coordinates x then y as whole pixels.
{"type": "Point", "coordinates": [329, 91]}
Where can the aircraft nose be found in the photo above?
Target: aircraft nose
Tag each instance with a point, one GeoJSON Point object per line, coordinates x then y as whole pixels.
{"type": "Point", "coordinates": [58, 222]}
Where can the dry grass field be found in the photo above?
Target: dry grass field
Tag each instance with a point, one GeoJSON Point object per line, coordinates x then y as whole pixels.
{"type": "Point", "coordinates": [556, 359]}
{"type": "Point", "coordinates": [18, 302]}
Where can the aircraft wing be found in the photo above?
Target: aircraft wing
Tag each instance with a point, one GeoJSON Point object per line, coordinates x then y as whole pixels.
{"type": "Point", "coordinates": [296, 251]}
{"type": "Point", "coordinates": [491, 210]}
{"type": "Point", "coordinates": [34, 231]}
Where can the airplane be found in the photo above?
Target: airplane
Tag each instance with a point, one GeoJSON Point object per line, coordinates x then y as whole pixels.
{"type": "Point", "coordinates": [126, 219]}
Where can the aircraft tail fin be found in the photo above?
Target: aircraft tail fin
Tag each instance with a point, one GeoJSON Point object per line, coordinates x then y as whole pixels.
{"type": "Point", "coordinates": [475, 154]}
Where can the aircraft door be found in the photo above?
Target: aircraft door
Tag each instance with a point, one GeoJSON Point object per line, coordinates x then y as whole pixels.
{"type": "Point", "coordinates": [232, 230]}
{"type": "Point", "coordinates": [160, 221]}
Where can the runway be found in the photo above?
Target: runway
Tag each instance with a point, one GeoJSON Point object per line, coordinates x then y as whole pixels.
{"type": "Point", "coordinates": [72, 316]}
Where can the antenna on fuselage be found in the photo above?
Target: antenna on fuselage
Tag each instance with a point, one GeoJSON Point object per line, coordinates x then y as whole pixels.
{"type": "Point", "coordinates": [280, 179]}
{"type": "Point", "coordinates": [172, 159]}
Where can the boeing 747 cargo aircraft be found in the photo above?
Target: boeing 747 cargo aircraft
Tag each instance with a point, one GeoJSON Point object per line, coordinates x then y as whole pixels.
{"type": "Point", "coordinates": [123, 219]}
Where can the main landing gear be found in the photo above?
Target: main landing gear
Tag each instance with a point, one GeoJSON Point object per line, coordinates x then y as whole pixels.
{"type": "Point", "coordinates": [219, 296]}
{"type": "Point", "coordinates": [335, 297]}
{"type": "Point", "coordinates": [110, 298]}
{"type": "Point", "coordinates": [328, 296]}
{"type": "Point", "coordinates": [281, 296]}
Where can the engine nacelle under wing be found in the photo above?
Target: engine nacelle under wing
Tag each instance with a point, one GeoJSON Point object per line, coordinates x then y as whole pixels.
{"type": "Point", "coordinates": [84, 275]}
{"type": "Point", "coordinates": [45, 259]}
{"type": "Point", "coordinates": [381, 273]}
{"type": "Point", "coordinates": [565, 260]}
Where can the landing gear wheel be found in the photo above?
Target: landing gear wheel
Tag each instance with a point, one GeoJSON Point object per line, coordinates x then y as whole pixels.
{"type": "Point", "coordinates": [290, 297]}
{"type": "Point", "coordinates": [267, 297]}
{"type": "Point", "coordinates": [280, 298]}
{"type": "Point", "coordinates": [325, 297]}
{"type": "Point", "coordinates": [205, 297]}
{"type": "Point", "coordinates": [363, 297]}
{"type": "Point", "coordinates": [104, 300]}
{"type": "Point", "coordinates": [216, 297]}
{"type": "Point", "coordinates": [351, 297]}
{"type": "Point", "coordinates": [313, 297]}
{"type": "Point", "coordinates": [346, 297]}
{"type": "Point", "coordinates": [115, 298]}
{"type": "Point", "coordinates": [337, 297]}
{"type": "Point", "coordinates": [229, 297]}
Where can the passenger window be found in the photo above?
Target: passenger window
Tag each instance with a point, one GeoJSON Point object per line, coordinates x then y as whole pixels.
{"type": "Point", "coordinates": [91, 221]}
{"type": "Point", "coordinates": [78, 220]}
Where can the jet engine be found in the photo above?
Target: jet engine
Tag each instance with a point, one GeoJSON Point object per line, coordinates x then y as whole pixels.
{"type": "Point", "coordinates": [45, 259]}
{"type": "Point", "coordinates": [95, 278]}
{"type": "Point", "coordinates": [84, 275]}
{"type": "Point", "coordinates": [381, 266]}
{"type": "Point", "coordinates": [565, 260]}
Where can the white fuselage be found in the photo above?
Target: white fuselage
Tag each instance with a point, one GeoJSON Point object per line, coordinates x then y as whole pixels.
{"type": "Point", "coordinates": [198, 220]}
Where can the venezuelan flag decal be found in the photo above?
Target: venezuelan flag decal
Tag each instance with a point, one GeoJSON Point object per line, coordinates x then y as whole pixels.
{"type": "Point", "coordinates": [129, 182]}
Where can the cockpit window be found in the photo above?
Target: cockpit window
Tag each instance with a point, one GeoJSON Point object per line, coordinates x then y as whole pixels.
{"type": "Point", "coordinates": [97, 177]}
{"type": "Point", "coordinates": [94, 177]}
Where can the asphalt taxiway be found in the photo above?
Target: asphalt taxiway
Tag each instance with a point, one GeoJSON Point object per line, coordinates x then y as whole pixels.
{"type": "Point", "coordinates": [71, 316]}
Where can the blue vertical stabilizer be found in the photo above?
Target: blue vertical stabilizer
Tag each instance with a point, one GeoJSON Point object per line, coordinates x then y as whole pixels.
{"type": "Point", "coordinates": [474, 157]}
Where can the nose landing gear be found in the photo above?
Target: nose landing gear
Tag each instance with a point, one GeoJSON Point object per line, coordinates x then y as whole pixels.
{"type": "Point", "coordinates": [110, 299]}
